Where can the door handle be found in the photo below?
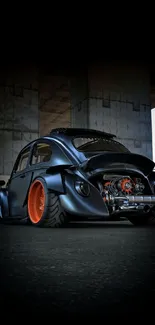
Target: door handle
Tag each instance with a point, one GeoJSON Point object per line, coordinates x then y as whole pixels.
{"type": "Point", "coordinates": [22, 176]}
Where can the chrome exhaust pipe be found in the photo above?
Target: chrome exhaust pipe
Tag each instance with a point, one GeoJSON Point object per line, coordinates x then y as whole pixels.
{"type": "Point", "coordinates": [133, 203]}
{"type": "Point", "coordinates": [150, 199]}
{"type": "Point", "coordinates": [135, 199]}
{"type": "Point", "coordinates": [143, 199]}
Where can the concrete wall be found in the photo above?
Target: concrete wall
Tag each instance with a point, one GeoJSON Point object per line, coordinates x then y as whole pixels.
{"type": "Point", "coordinates": [79, 100]}
{"type": "Point", "coordinates": [54, 103]}
{"type": "Point", "coordinates": [118, 102]}
{"type": "Point", "coordinates": [111, 98]}
{"type": "Point", "coordinates": [31, 104]}
{"type": "Point", "coordinates": [19, 122]}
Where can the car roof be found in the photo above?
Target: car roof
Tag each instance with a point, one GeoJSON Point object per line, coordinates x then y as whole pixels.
{"type": "Point", "coordinates": [65, 135]}
{"type": "Point", "coordinates": [76, 132]}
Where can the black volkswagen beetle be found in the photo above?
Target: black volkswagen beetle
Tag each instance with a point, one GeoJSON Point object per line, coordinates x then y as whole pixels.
{"type": "Point", "coordinates": [78, 173]}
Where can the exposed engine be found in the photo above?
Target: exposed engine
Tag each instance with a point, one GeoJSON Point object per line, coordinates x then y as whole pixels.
{"type": "Point", "coordinates": [122, 185]}
{"type": "Point", "coordinates": [124, 193]}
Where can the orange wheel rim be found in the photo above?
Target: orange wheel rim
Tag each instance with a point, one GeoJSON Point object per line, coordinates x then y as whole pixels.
{"type": "Point", "coordinates": [36, 201]}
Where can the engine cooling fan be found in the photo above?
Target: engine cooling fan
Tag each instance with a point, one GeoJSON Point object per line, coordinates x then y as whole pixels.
{"type": "Point", "coordinates": [126, 185]}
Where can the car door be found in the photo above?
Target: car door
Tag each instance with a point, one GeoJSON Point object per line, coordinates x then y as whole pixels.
{"type": "Point", "coordinates": [19, 183]}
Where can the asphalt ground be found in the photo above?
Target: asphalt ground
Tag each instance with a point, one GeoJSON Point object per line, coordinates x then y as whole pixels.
{"type": "Point", "coordinates": [89, 268]}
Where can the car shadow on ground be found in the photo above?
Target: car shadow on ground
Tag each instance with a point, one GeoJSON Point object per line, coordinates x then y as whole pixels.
{"type": "Point", "coordinates": [109, 224]}
{"type": "Point", "coordinates": [86, 224]}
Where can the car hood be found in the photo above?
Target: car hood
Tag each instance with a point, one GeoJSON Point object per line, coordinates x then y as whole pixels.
{"type": "Point", "coordinates": [119, 160]}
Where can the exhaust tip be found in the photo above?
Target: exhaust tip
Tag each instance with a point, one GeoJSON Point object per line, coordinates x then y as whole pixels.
{"type": "Point", "coordinates": [146, 208]}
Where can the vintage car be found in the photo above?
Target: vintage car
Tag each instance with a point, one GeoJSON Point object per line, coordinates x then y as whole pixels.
{"type": "Point", "coordinates": [75, 173]}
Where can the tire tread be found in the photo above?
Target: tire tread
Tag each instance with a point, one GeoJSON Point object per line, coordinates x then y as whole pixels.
{"type": "Point", "coordinates": [55, 216]}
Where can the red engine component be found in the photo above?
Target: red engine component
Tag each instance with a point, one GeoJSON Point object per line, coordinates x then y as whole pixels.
{"type": "Point", "coordinates": [116, 185]}
{"type": "Point", "coordinates": [106, 185]}
{"type": "Point", "coordinates": [126, 185]}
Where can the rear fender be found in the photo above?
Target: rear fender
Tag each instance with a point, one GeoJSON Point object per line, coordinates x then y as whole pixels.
{"type": "Point", "coordinates": [4, 203]}
{"type": "Point", "coordinates": [71, 201]}
{"type": "Point", "coordinates": [75, 204]}
{"type": "Point", "coordinates": [54, 182]}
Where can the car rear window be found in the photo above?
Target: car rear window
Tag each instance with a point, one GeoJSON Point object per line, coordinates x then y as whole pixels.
{"type": "Point", "coordinates": [85, 144]}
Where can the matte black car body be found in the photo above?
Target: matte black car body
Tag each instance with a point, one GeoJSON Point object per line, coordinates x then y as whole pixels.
{"type": "Point", "coordinates": [76, 176]}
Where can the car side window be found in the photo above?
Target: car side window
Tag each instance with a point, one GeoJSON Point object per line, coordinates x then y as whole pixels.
{"type": "Point", "coordinates": [41, 153]}
{"type": "Point", "coordinates": [23, 159]}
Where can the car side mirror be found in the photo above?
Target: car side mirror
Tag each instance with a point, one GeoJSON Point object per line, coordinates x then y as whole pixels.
{"type": "Point", "coordinates": [2, 182]}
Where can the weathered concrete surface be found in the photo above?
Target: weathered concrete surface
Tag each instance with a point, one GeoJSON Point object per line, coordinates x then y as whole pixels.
{"type": "Point", "coordinates": [54, 103]}
{"type": "Point", "coordinates": [19, 119]}
{"type": "Point", "coordinates": [115, 98]}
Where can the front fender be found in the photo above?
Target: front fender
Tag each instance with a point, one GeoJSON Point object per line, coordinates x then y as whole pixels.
{"type": "Point", "coordinates": [75, 204]}
{"type": "Point", "coordinates": [4, 203]}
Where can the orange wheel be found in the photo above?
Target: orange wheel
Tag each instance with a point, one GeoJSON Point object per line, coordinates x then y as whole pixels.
{"type": "Point", "coordinates": [44, 207]}
{"type": "Point", "coordinates": [36, 201]}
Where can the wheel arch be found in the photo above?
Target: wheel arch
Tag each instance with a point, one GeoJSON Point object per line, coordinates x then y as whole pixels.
{"type": "Point", "coordinates": [54, 182]}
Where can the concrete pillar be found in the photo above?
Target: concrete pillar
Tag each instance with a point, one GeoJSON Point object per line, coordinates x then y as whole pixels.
{"type": "Point", "coordinates": [19, 122]}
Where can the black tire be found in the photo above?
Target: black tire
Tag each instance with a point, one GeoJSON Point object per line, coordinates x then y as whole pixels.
{"type": "Point", "coordinates": [142, 220]}
{"type": "Point", "coordinates": [53, 215]}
